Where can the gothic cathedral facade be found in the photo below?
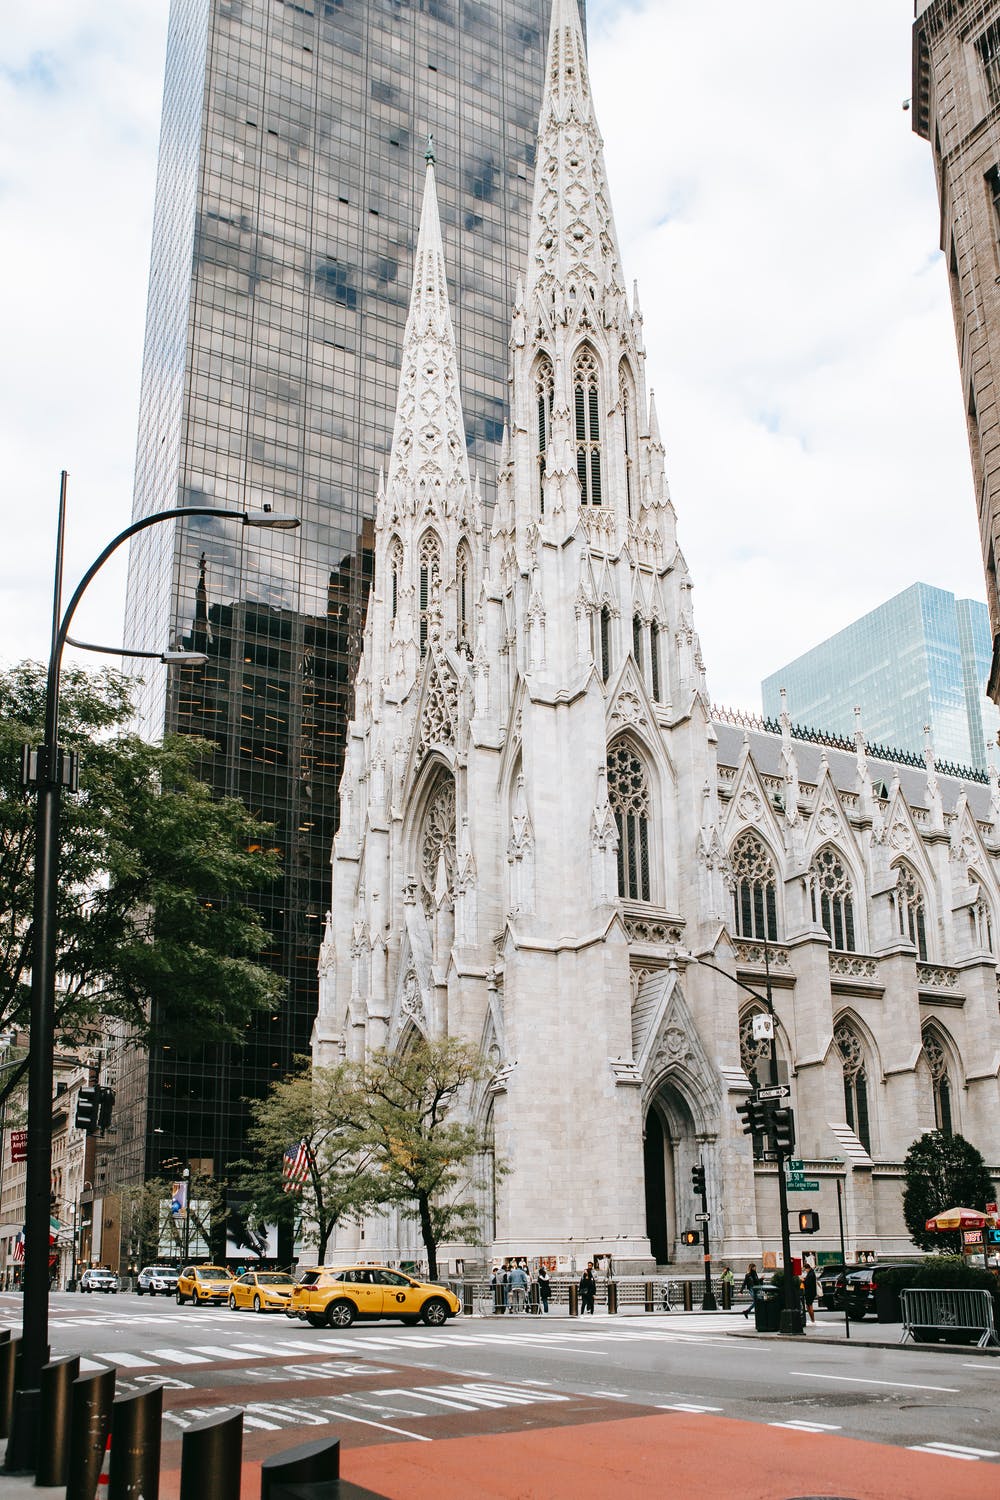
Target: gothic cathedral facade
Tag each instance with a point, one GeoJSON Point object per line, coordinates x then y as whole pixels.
{"type": "Point", "coordinates": [547, 836]}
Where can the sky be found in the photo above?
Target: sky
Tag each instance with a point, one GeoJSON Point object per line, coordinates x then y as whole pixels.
{"type": "Point", "coordinates": [773, 204]}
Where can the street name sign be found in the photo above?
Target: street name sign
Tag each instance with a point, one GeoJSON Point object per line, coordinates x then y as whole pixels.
{"type": "Point", "coordinates": [802, 1185]}
{"type": "Point", "coordinates": [796, 1165]}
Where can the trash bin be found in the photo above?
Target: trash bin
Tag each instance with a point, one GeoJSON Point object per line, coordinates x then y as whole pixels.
{"type": "Point", "coordinates": [888, 1307]}
{"type": "Point", "coordinates": [767, 1310]}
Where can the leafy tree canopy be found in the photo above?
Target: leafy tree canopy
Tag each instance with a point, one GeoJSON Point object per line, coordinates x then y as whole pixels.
{"type": "Point", "coordinates": [942, 1171]}
{"type": "Point", "coordinates": [152, 930]}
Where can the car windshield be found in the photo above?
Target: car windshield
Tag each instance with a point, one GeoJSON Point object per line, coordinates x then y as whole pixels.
{"type": "Point", "coordinates": [212, 1273]}
{"type": "Point", "coordinates": [159, 1271]}
{"type": "Point", "coordinates": [274, 1278]}
{"type": "Point", "coordinates": [309, 1278]}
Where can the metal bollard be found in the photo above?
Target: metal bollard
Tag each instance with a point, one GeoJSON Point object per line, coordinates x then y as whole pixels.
{"type": "Point", "coordinates": [212, 1458]}
{"type": "Point", "coordinates": [612, 1296]}
{"type": "Point", "coordinates": [311, 1472]}
{"type": "Point", "coordinates": [534, 1298]}
{"type": "Point", "coordinates": [8, 1382]}
{"type": "Point", "coordinates": [56, 1404]}
{"type": "Point", "coordinates": [467, 1298]}
{"type": "Point", "coordinates": [135, 1446]}
{"type": "Point", "coordinates": [89, 1425]}
{"type": "Point", "coordinates": [727, 1295]}
{"type": "Point", "coordinates": [688, 1297]}
{"type": "Point", "coordinates": [650, 1297]}
{"type": "Point", "coordinates": [574, 1300]}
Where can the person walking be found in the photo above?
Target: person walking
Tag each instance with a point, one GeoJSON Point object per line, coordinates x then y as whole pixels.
{"type": "Point", "coordinates": [809, 1288]}
{"type": "Point", "coordinates": [518, 1288]}
{"type": "Point", "coordinates": [588, 1289]}
{"type": "Point", "coordinates": [751, 1285]}
{"type": "Point", "coordinates": [544, 1288]}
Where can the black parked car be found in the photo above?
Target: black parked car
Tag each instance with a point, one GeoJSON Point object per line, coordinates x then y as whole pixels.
{"type": "Point", "coordinates": [831, 1283]}
{"type": "Point", "coordinates": [860, 1285]}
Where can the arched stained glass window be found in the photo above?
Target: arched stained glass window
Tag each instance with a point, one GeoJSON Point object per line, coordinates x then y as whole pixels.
{"type": "Point", "coordinates": [437, 839]}
{"type": "Point", "coordinates": [586, 404]}
{"type": "Point", "coordinates": [637, 634]}
{"type": "Point", "coordinates": [937, 1061]}
{"type": "Point", "coordinates": [605, 643]}
{"type": "Point", "coordinates": [654, 660]}
{"type": "Point", "coordinates": [630, 442]}
{"type": "Point", "coordinates": [909, 900]}
{"type": "Point", "coordinates": [628, 794]}
{"type": "Point", "coordinates": [982, 919]}
{"type": "Point", "coordinates": [754, 899]}
{"type": "Point", "coordinates": [833, 899]}
{"type": "Point", "coordinates": [463, 589]}
{"type": "Point", "coordinates": [430, 570]}
{"type": "Point", "coordinates": [544, 388]}
{"type": "Point", "coordinates": [395, 576]}
{"type": "Point", "coordinates": [852, 1055]}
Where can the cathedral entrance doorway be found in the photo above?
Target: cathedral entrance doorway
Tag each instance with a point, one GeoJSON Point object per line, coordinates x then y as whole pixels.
{"type": "Point", "coordinates": [668, 1142]}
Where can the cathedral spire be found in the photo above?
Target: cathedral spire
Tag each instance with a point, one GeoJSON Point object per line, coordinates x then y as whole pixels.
{"type": "Point", "coordinates": [428, 439]}
{"type": "Point", "coordinates": [572, 240]}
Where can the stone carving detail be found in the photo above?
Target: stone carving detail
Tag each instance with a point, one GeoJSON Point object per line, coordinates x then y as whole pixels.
{"type": "Point", "coordinates": [751, 955]}
{"type": "Point", "coordinates": [440, 711]}
{"type": "Point", "coordinates": [936, 977]}
{"type": "Point", "coordinates": [852, 966]}
{"type": "Point", "coordinates": [648, 930]}
{"type": "Point", "coordinates": [827, 822]}
{"type": "Point", "coordinates": [438, 841]}
{"type": "Point", "coordinates": [749, 806]}
{"type": "Point", "coordinates": [411, 1002]}
{"type": "Point", "coordinates": [901, 834]}
{"type": "Point", "coordinates": [627, 710]}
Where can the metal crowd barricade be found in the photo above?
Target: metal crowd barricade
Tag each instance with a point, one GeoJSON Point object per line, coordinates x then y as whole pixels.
{"type": "Point", "coordinates": [949, 1310]}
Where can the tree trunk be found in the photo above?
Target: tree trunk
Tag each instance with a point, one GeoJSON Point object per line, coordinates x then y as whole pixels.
{"type": "Point", "coordinates": [427, 1235]}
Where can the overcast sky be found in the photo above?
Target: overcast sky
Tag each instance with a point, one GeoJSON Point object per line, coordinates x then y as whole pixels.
{"type": "Point", "coordinates": [771, 200]}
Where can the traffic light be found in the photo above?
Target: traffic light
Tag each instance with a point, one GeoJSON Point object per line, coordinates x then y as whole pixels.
{"type": "Point", "coordinates": [105, 1105]}
{"type": "Point", "coordinates": [756, 1115]}
{"type": "Point", "coordinates": [783, 1130]}
{"type": "Point", "coordinates": [744, 1112]}
{"type": "Point", "coordinates": [690, 1237]}
{"type": "Point", "coordinates": [808, 1221]}
{"type": "Point", "coordinates": [698, 1179]}
{"type": "Point", "coordinates": [86, 1110]}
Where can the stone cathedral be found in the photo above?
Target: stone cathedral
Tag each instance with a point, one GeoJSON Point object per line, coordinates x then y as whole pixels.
{"type": "Point", "coordinates": [547, 833]}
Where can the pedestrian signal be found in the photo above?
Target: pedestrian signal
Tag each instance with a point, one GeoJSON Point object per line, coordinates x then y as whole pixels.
{"type": "Point", "coordinates": [808, 1221]}
{"type": "Point", "coordinates": [690, 1237]}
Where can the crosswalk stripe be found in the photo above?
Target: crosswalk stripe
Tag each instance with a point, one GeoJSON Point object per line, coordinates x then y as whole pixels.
{"type": "Point", "coordinates": [425, 1395]}
{"type": "Point", "coordinates": [942, 1452]}
{"type": "Point", "coordinates": [180, 1356]}
{"type": "Point", "coordinates": [216, 1351]}
{"type": "Point", "coordinates": [254, 1349]}
{"type": "Point", "coordinates": [130, 1361]}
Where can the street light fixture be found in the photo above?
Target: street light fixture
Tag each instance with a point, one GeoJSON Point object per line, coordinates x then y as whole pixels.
{"type": "Point", "coordinates": [791, 1316]}
{"type": "Point", "coordinates": [50, 771]}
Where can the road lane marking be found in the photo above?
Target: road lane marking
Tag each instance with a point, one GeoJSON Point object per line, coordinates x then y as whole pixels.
{"type": "Point", "coordinates": [805, 1426]}
{"type": "Point", "coordinates": [687, 1406]}
{"type": "Point", "coordinates": [906, 1385]}
{"type": "Point", "coordinates": [941, 1452]}
{"type": "Point", "coordinates": [343, 1416]}
{"type": "Point", "coordinates": [960, 1449]}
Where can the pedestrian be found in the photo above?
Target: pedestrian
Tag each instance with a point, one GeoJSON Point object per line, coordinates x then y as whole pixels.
{"type": "Point", "coordinates": [808, 1288]}
{"type": "Point", "coordinates": [588, 1289]}
{"type": "Point", "coordinates": [751, 1285]}
{"type": "Point", "coordinates": [518, 1287]}
{"type": "Point", "coordinates": [544, 1288]}
{"type": "Point", "coordinates": [496, 1282]}
{"type": "Point", "coordinates": [727, 1278]}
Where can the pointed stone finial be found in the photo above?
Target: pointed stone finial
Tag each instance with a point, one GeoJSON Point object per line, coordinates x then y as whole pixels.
{"type": "Point", "coordinates": [789, 763]}
{"type": "Point", "coordinates": [654, 424]}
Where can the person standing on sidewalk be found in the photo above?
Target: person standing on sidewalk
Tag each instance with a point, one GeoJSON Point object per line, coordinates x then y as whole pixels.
{"type": "Point", "coordinates": [518, 1288]}
{"type": "Point", "coordinates": [809, 1288]}
{"type": "Point", "coordinates": [751, 1285]}
{"type": "Point", "coordinates": [544, 1288]}
{"type": "Point", "coordinates": [588, 1290]}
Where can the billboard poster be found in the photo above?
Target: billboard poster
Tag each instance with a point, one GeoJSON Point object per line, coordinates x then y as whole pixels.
{"type": "Point", "coordinates": [175, 1232]}
{"type": "Point", "coordinates": [248, 1238]}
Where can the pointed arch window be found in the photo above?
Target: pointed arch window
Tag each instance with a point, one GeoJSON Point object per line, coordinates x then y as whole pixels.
{"type": "Point", "coordinates": [936, 1054]}
{"type": "Point", "coordinates": [463, 590]}
{"type": "Point", "coordinates": [981, 917]}
{"type": "Point", "coordinates": [638, 631]}
{"type": "Point", "coordinates": [754, 892]}
{"type": "Point", "coordinates": [755, 1058]}
{"type": "Point", "coordinates": [544, 389]}
{"type": "Point", "coordinates": [630, 442]}
{"type": "Point", "coordinates": [909, 899]}
{"type": "Point", "coordinates": [586, 403]}
{"type": "Point", "coordinates": [852, 1056]}
{"type": "Point", "coordinates": [437, 840]}
{"type": "Point", "coordinates": [628, 795]}
{"type": "Point", "coordinates": [605, 643]}
{"type": "Point", "coordinates": [654, 660]}
{"type": "Point", "coordinates": [833, 899]}
{"type": "Point", "coordinates": [395, 576]}
{"type": "Point", "coordinates": [430, 572]}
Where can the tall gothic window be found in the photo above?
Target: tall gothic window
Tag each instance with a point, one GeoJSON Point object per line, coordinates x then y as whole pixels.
{"type": "Point", "coordinates": [910, 910]}
{"type": "Point", "coordinates": [437, 840]}
{"type": "Point", "coordinates": [637, 633]}
{"type": "Point", "coordinates": [654, 660]}
{"type": "Point", "coordinates": [463, 589]}
{"type": "Point", "coordinates": [628, 430]}
{"type": "Point", "coordinates": [586, 401]}
{"type": "Point", "coordinates": [754, 898]}
{"type": "Point", "coordinates": [982, 919]}
{"type": "Point", "coordinates": [852, 1056]}
{"type": "Point", "coordinates": [430, 570]}
{"type": "Point", "coordinates": [937, 1061]}
{"type": "Point", "coordinates": [605, 643]}
{"type": "Point", "coordinates": [833, 899]}
{"type": "Point", "coordinates": [395, 576]}
{"type": "Point", "coordinates": [628, 794]}
{"type": "Point", "coordinates": [544, 387]}
{"type": "Point", "coordinates": [755, 1056]}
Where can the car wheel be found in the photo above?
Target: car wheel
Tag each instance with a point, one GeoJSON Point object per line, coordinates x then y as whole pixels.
{"type": "Point", "coordinates": [341, 1314]}
{"type": "Point", "coordinates": [232, 1302]}
{"type": "Point", "coordinates": [180, 1299]}
{"type": "Point", "coordinates": [256, 1304]}
{"type": "Point", "coordinates": [315, 1320]}
{"type": "Point", "coordinates": [138, 1291]}
{"type": "Point", "coordinates": [410, 1319]}
{"type": "Point", "coordinates": [435, 1312]}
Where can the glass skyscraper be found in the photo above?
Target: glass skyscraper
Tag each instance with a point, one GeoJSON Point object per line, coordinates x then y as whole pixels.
{"type": "Point", "coordinates": [920, 658]}
{"type": "Point", "coordinates": [291, 162]}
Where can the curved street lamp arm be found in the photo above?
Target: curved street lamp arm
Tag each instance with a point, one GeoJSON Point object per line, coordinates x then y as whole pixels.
{"type": "Point", "coordinates": [764, 999]}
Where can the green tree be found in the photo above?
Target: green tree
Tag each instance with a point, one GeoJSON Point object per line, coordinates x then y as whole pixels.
{"type": "Point", "coordinates": [942, 1171]}
{"type": "Point", "coordinates": [412, 1110]}
{"type": "Point", "coordinates": [152, 930]}
{"type": "Point", "coordinates": [318, 1108]}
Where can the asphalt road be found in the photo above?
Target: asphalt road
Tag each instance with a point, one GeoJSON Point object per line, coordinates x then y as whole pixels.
{"type": "Point", "coordinates": [934, 1413]}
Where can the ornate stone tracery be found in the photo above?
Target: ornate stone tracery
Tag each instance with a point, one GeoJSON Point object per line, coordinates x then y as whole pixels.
{"type": "Point", "coordinates": [833, 898]}
{"type": "Point", "coordinates": [628, 795]}
{"type": "Point", "coordinates": [437, 839]}
{"type": "Point", "coordinates": [754, 888]}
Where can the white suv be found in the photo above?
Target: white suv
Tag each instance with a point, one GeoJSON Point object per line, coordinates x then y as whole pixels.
{"type": "Point", "coordinates": [153, 1279]}
{"type": "Point", "coordinates": [98, 1281]}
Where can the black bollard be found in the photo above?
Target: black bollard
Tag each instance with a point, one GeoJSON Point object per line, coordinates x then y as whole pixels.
{"type": "Point", "coordinates": [467, 1298]}
{"type": "Point", "coordinates": [688, 1297]}
{"type": "Point", "coordinates": [727, 1295]}
{"type": "Point", "coordinates": [56, 1404]}
{"type": "Point", "coordinates": [89, 1426]}
{"type": "Point", "coordinates": [212, 1458]}
{"type": "Point", "coordinates": [612, 1296]}
{"type": "Point", "coordinates": [8, 1382]}
{"type": "Point", "coordinates": [534, 1298]}
{"type": "Point", "coordinates": [650, 1297]}
{"type": "Point", "coordinates": [311, 1472]}
{"type": "Point", "coordinates": [135, 1446]}
{"type": "Point", "coordinates": [574, 1300]}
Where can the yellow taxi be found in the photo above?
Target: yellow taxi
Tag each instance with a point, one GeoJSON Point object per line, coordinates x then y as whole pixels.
{"type": "Point", "coordinates": [201, 1284]}
{"type": "Point", "coordinates": [334, 1296]}
{"type": "Point", "coordinates": [264, 1291]}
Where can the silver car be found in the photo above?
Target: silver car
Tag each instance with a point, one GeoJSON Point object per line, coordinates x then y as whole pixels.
{"type": "Point", "coordinates": [156, 1279]}
{"type": "Point", "coordinates": [98, 1281]}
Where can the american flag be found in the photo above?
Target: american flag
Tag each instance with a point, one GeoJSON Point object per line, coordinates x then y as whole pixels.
{"type": "Point", "coordinates": [295, 1167]}
{"type": "Point", "coordinates": [19, 1246]}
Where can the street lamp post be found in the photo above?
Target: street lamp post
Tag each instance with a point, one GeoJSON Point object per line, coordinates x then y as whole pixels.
{"type": "Point", "coordinates": [49, 769]}
{"type": "Point", "coordinates": [791, 1316]}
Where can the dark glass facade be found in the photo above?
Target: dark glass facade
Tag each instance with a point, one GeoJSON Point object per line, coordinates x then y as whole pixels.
{"type": "Point", "coordinates": [291, 164]}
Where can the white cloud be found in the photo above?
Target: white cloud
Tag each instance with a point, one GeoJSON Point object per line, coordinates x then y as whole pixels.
{"type": "Point", "coordinates": [773, 203]}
